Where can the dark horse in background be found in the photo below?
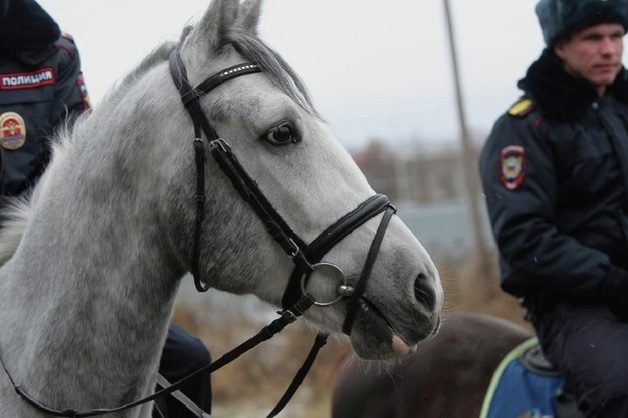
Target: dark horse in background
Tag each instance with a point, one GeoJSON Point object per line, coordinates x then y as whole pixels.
{"type": "Point", "coordinates": [447, 377]}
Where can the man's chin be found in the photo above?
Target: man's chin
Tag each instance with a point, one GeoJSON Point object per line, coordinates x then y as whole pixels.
{"type": "Point", "coordinates": [603, 79]}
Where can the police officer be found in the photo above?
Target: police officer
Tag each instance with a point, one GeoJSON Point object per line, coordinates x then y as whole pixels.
{"type": "Point", "coordinates": [41, 85]}
{"type": "Point", "coordinates": [41, 89]}
{"type": "Point", "coordinates": [555, 175]}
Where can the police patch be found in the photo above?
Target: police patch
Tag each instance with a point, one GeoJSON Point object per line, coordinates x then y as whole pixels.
{"type": "Point", "coordinates": [513, 166]}
{"type": "Point", "coordinates": [12, 131]}
{"type": "Point", "coordinates": [34, 79]}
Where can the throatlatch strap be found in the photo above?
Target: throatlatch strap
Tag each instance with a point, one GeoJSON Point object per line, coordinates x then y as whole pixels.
{"type": "Point", "coordinates": [199, 121]}
{"type": "Point", "coordinates": [191, 101]}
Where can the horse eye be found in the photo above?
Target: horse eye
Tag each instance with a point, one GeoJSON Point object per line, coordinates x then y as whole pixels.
{"type": "Point", "coordinates": [281, 134]}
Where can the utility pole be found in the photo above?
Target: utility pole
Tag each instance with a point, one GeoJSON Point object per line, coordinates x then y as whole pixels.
{"type": "Point", "coordinates": [473, 189]}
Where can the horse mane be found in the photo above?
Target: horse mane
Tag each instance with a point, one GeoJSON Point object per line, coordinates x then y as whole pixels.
{"type": "Point", "coordinates": [115, 95]}
{"type": "Point", "coordinates": [18, 210]}
{"type": "Point", "coordinates": [16, 214]}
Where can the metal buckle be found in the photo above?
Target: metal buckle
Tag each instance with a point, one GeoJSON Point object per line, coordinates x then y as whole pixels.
{"type": "Point", "coordinates": [295, 248]}
{"type": "Point", "coordinates": [221, 144]}
{"type": "Point", "coordinates": [343, 290]}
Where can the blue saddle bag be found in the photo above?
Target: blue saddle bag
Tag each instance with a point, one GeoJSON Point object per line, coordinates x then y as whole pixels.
{"type": "Point", "coordinates": [524, 385]}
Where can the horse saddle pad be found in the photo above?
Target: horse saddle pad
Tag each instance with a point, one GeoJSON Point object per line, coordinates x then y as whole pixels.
{"type": "Point", "coordinates": [526, 385]}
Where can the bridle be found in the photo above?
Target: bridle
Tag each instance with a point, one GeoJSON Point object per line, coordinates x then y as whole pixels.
{"type": "Point", "coordinates": [306, 257]}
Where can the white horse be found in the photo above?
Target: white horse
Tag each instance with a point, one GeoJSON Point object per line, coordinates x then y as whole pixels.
{"type": "Point", "coordinates": [97, 257]}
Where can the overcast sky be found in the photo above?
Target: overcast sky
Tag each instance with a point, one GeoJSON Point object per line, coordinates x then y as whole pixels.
{"type": "Point", "coordinates": [375, 68]}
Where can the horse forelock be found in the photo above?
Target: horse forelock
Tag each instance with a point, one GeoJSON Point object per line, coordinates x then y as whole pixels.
{"type": "Point", "coordinates": [236, 27]}
{"type": "Point", "coordinates": [274, 66]}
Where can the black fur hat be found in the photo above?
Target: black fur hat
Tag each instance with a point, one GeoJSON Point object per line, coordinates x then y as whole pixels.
{"type": "Point", "coordinates": [24, 25]}
{"type": "Point", "coordinates": [559, 18]}
{"type": "Point", "coordinates": [4, 8]}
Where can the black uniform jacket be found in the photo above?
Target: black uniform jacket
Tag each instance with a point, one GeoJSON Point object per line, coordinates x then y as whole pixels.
{"type": "Point", "coordinates": [38, 90]}
{"type": "Point", "coordinates": [555, 176]}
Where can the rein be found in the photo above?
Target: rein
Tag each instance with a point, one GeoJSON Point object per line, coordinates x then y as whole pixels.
{"type": "Point", "coordinates": [307, 258]}
{"type": "Point", "coordinates": [286, 318]}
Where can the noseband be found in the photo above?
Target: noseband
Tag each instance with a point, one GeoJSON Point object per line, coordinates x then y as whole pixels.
{"type": "Point", "coordinates": [307, 258]}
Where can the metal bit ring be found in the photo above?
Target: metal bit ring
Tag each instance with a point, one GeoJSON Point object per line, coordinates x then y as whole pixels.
{"type": "Point", "coordinates": [343, 290]}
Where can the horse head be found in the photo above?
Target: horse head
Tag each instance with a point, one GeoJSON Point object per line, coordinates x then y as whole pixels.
{"type": "Point", "coordinates": [268, 120]}
{"type": "Point", "coordinates": [137, 195]}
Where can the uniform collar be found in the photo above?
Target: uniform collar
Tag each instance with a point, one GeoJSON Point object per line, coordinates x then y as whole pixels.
{"type": "Point", "coordinates": [558, 94]}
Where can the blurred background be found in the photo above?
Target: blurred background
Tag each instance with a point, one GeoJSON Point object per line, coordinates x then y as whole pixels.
{"type": "Point", "coordinates": [411, 88]}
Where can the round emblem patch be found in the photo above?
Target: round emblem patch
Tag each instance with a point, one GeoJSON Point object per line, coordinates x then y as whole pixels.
{"type": "Point", "coordinates": [12, 131]}
{"type": "Point", "coordinates": [513, 166]}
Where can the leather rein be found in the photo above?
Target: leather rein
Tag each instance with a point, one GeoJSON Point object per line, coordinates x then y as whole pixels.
{"type": "Point", "coordinates": [307, 258]}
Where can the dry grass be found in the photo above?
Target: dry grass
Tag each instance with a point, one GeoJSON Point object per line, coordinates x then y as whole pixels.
{"type": "Point", "coordinates": [252, 385]}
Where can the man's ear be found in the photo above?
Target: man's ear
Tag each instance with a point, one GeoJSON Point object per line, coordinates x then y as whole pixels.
{"type": "Point", "coordinates": [559, 49]}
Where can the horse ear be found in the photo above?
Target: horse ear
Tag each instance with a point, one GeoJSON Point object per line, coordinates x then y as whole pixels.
{"type": "Point", "coordinates": [216, 23]}
{"type": "Point", "coordinates": [248, 16]}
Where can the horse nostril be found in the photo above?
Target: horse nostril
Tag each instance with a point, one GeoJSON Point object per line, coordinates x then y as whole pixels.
{"type": "Point", "coordinates": [424, 293]}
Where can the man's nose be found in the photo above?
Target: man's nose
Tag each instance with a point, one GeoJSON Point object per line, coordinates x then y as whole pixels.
{"type": "Point", "coordinates": [608, 46]}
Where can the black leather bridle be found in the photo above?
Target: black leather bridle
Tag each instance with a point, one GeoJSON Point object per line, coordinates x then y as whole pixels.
{"type": "Point", "coordinates": [306, 257]}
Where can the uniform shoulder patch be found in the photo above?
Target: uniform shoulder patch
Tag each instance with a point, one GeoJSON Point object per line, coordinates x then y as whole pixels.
{"type": "Point", "coordinates": [522, 108]}
{"type": "Point", "coordinates": [513, 165]}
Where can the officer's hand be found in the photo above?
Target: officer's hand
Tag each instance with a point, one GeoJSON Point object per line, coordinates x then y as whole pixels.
{"type": "Point", "coordinates": [616, 293]}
